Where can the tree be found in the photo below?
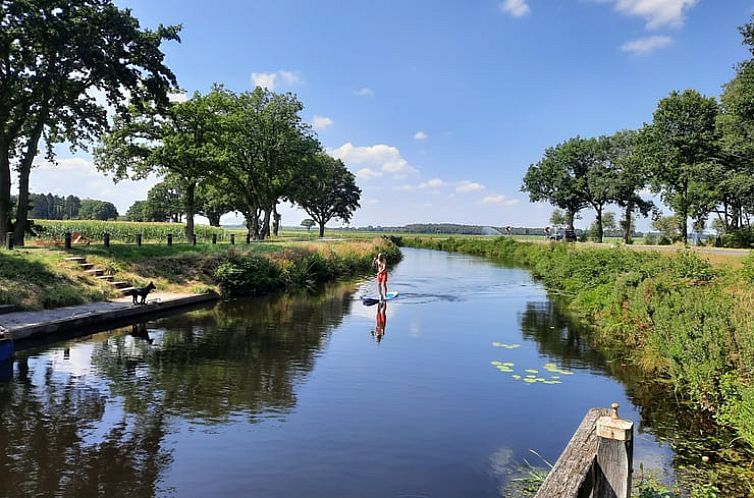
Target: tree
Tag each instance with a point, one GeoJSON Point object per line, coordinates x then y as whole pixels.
{"type": "Point", "coordinates": [630, 175]}
{"type": "Point", "coordinates": [54, 54]}
{"type": "Point", "coordinates": [571, 176]}
{"type": "Point", "coordinates": [92, 209]}
{"type": "Point", "coordinates": [308, 223]}
{"type": "Point", "coordinates": [268, 146]}
{"type": "Point", "coordinates": [164, 200]}
{"type": "Point", "coordinates": [71, 207]}
{"type": "Point", "coordinates": [558, 217]}
{"type": "Point", "coordinates": [213, 200]}
{"type": "Point", "coordinates": [179, 142]}
{"type": "Point", "coordinates": [328, 191]}
{"type": "Point", "coordinates": [139, 211]}
{"type": "Point", "coordinates": [681, 144]}
{"type": "Point", "coordinates": [553, 180]}
{"type": "Point", "coordinates": [669, 226]}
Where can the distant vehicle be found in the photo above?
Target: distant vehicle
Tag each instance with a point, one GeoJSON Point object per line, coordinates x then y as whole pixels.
{"type": "Point", "coordinates": [565, 234]}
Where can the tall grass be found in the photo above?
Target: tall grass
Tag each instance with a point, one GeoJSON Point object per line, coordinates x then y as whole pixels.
{"type": "Point", "coordinates": [674, 315]}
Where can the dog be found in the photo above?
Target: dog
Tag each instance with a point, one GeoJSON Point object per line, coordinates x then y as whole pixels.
{"type": "Point", "coordinates": [141, 292]}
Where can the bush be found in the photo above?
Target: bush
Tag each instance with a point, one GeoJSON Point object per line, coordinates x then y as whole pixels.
{"type": "Point", "coordinates": [737, 239]}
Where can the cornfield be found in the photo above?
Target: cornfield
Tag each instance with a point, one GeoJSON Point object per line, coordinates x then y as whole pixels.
{"type": "Point", "coordinates": [121, 231]}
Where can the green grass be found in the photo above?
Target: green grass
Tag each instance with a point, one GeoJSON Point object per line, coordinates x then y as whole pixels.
{"type": "Point", "coordinates": [38, 278]}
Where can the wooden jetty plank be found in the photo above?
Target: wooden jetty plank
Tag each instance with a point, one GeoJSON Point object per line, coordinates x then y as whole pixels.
{"type": "Point", "coordinates": [575, 467]}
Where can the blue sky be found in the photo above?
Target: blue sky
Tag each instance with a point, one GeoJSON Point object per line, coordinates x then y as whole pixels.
{"type": "Point", "coordinates": [440, 106]}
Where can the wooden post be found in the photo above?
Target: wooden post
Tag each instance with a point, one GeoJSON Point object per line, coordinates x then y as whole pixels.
{"type": "Point", "coordinates": [67, 238]}
{"type": "Point", "coordinates": [138, 240]}
{"type": "Point", "coordinates": [214, 238]}
{"type": "Point", "coordinates": [615, 454]}
{"type": "Point", "coordinates": [232, 239]}
{"type": "Point", "coordinates": [9, 241]}
{"type": "Point", "coordinates": [170, 239]}
{"type": "Point", "coordinates": [248, 238]}
{"type": "Point", "coordinates": [193, 239]}
{"type": "Point", "coordinates": [106, 240]}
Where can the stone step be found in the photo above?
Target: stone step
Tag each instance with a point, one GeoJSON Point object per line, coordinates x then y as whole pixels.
{"type": "Point", "coordinates": [126, 290]}
{"type": "Point", "coordinates": [86, 266]}
{"type": "Point", "coordinates": [121, 285]}
{"type": "Point", "coordinates": [78, 259]}
{"type": "Point", "coordinates": [104, 277]}
{"type": "Point", "coordinates": [95, 272]}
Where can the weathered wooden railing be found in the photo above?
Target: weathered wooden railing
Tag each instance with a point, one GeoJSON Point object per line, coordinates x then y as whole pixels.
{"type": "Point", "coordinates": [597, 461]}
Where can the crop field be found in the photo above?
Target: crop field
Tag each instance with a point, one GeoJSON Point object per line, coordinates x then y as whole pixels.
{"type": "Point", "coordinates": [53, 231]}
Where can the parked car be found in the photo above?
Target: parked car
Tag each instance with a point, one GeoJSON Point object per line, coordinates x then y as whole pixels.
{"type": "Point", "coordinates": [565, 234]}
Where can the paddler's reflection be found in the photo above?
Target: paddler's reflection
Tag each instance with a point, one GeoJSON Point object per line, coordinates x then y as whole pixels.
{"type": "Point", "coordinates": [379, 329]}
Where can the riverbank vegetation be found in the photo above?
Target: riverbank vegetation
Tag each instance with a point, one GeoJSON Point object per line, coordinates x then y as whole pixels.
{"type": "Point", "coordinates": [681, 320]}
{"type": "Point", "coordinates": [42, 278]}
{"type": "Point", "coordinates": [696, 155]}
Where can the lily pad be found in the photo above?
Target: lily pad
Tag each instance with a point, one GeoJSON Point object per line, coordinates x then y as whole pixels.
{"type": "Point", "coordinates": [516, 377]}
{"type": "Point", "coordinates": [531, 371]}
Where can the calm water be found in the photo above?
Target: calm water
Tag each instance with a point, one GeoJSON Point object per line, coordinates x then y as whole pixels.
{"type": "Point", "coordinates": [297, 396]}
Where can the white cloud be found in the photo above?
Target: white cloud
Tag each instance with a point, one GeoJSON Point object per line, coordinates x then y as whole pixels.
{"type": "Point", "coordinates": [516, 8]}
{"type": "Point", "coordinates": [321, 122]}
{"type": "Point", "coordinates": [367, 173]}
{"type": "Point", "coordinates": [647, 44]}
{"type": "Point", "coordinates": [499, 199]}
{"type": "Point", "coordinates": [420, 135]}
{"type": "Point", "coordinates": [364, 92]}
{"type": "Point", "coordinates": [467, 186]}
{"type": "Point", "coordinates": [270, 80]}
{"type": "Point", "coordinates": [657, 13]}
{"type": "Point", "coordinates": [405, 188]}
{"type": "Point", "coordinates": [381, 157]}
{"type": "Point", "coordinates": [433, 183]}
{"type": "Point", "coordinates": [290, 77]}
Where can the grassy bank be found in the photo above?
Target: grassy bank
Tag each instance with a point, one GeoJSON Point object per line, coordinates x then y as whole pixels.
{"type": "Point", "coordinates": [39, 278]}
{"type": "Point", "coordinates": [681, 319]}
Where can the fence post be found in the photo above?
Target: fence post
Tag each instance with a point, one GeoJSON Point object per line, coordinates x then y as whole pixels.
{"type": "Point", "coordinates": [214, 238]}
{"type": "Point", "coordinates": [9, 241]}
{"type": "Point", "coordinates": [138, 240]}
{"type": "Point", "coordinates": [67, 238]}
{"type": "Point", "coordinates": [170, 239]}
{"type": "Point", "coordinates": [615, 455]}
{"type": "Point", "coordinates": [248, 238]}
{"type": "Point", "coordinates": [106, 240]}
{"type": "Point", "coordinates": [232, 239]}
{"type": "Point", "coordinates": [193, 239]}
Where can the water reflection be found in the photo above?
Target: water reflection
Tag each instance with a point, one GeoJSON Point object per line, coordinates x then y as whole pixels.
{"type": "Point", "coordinates": [90, 418]}
{"type": "Point", "coordinates": [381, 322]}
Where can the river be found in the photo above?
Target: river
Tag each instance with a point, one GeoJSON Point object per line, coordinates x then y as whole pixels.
{"type": "Point", "coordinates": [303, 395]}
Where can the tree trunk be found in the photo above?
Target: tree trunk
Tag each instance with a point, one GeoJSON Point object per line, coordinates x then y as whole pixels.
{"type": "Point", "coordinates": [5, 205]}
{"type": "Point", "coordinates": [570, 216]}
{"type": "Point", "coordinates": [189, 201]}
{"type": "Point", "coordinates": [277, 217]}
{"type": "Point", "coordinates": [598, 222]}
{"type": "Point", "coordinates": [266, 223]}
{"type": "Point", "coordinates": [214, 219]}
{"type": "Point", "coordinates": [321, 230]}
{"type": "Point", "coordinates": [24, 171]}
{"type": "Point", "coordinates": [627, 219]}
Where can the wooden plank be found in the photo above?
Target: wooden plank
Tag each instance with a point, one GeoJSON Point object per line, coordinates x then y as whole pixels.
{"type": "Point", "coordinates": [575, 465]}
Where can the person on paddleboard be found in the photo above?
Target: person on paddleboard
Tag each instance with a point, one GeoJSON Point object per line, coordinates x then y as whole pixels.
{"type": "Point", "coordinates": [380, 263]}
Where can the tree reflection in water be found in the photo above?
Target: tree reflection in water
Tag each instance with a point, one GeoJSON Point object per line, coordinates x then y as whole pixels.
{"type": "Point", "coordinates": [96, 425]}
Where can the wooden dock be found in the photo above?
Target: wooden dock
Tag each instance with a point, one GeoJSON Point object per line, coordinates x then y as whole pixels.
{"type": "Point", "coordinates": [597, 462]}
{"type": "Point", "coordinates": [37, 324]}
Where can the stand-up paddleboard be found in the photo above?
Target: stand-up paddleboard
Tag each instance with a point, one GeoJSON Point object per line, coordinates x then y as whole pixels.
{"type": "Point", "coordinates": [369, 301]}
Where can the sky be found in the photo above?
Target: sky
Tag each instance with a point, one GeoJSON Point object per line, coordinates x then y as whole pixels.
{"type": "Point", "coordinates": [440, 106]}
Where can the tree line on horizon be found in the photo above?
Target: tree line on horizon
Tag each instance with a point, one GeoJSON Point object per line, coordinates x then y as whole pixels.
{"type": "Point", "coordinates": [83, 72]}
{"type": "Point", "coordinates": [697, 154]}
